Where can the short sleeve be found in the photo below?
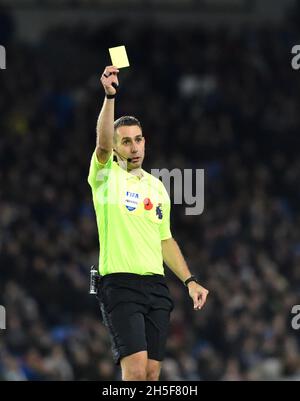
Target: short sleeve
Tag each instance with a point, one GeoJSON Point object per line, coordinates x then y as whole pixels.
{"type": "Point", "coordinates": [98, 171]}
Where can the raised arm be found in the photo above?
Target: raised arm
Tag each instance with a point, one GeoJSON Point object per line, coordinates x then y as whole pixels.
{"type": "Point", "coordinates": [105, 123]}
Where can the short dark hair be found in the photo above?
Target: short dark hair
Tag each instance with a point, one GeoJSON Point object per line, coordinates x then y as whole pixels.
{"type": "Point", "coordinates": [125, 121]}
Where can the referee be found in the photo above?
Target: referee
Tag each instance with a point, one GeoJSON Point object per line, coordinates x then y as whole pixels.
{"type": "Point", "coordinates": [133, 216]}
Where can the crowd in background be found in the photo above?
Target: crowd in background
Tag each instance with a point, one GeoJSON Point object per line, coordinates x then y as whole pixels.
{"type": "Point", "coordinates": [223, 100]}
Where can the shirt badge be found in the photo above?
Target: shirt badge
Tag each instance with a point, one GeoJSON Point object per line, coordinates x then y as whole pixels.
{"type": "Point", "coordinates": [131, 200]}
{"type": "Point", "coordinates": [147, 204]}
{"type": "Point", "coordinates": [159, 212]}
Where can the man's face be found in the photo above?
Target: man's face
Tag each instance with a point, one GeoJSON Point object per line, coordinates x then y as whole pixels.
{"type": "Point", "coordinates": [131, 144]}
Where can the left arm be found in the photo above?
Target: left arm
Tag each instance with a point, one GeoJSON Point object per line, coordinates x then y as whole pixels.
{"type": "Point", "coordinates": [174, 259]}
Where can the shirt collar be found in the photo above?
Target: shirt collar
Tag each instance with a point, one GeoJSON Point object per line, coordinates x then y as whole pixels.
{"type": "Point", "coordinates": [130, 176]}
{"type": "Point", "coordinates": [138, 175]}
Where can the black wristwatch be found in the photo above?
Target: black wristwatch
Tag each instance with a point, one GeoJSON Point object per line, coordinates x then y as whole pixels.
{"type": "Point", "coordinates": [192, 278]}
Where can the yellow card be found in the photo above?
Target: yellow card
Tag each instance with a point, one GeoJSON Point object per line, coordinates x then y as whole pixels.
{"type": "Point", "coordinates": [119, 57]}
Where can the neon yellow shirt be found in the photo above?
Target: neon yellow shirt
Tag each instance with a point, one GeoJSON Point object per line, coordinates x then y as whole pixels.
{"type": "Point", "coordinates": [133, 217]}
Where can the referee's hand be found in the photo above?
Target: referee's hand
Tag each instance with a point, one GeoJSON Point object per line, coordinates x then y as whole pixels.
{"type": "Point", "coordinates": [198, 294]}
{"type": "Point", "coordinates": [109, 79]}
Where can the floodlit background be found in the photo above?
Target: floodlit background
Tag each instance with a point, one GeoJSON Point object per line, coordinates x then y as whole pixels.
{"type": "Point", "coordinates": [213, 85]}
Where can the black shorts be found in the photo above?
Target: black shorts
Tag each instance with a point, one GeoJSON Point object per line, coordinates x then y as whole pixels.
{"type": "Point", "coordinates": [136, 310]}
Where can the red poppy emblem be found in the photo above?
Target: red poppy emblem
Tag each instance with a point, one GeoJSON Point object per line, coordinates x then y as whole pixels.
{"type": "Point", "coordinates": [147, 204]}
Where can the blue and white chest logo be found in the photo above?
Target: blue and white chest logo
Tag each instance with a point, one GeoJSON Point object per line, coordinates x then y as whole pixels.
{"type": "Point", "coordinates": [131, 200]}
